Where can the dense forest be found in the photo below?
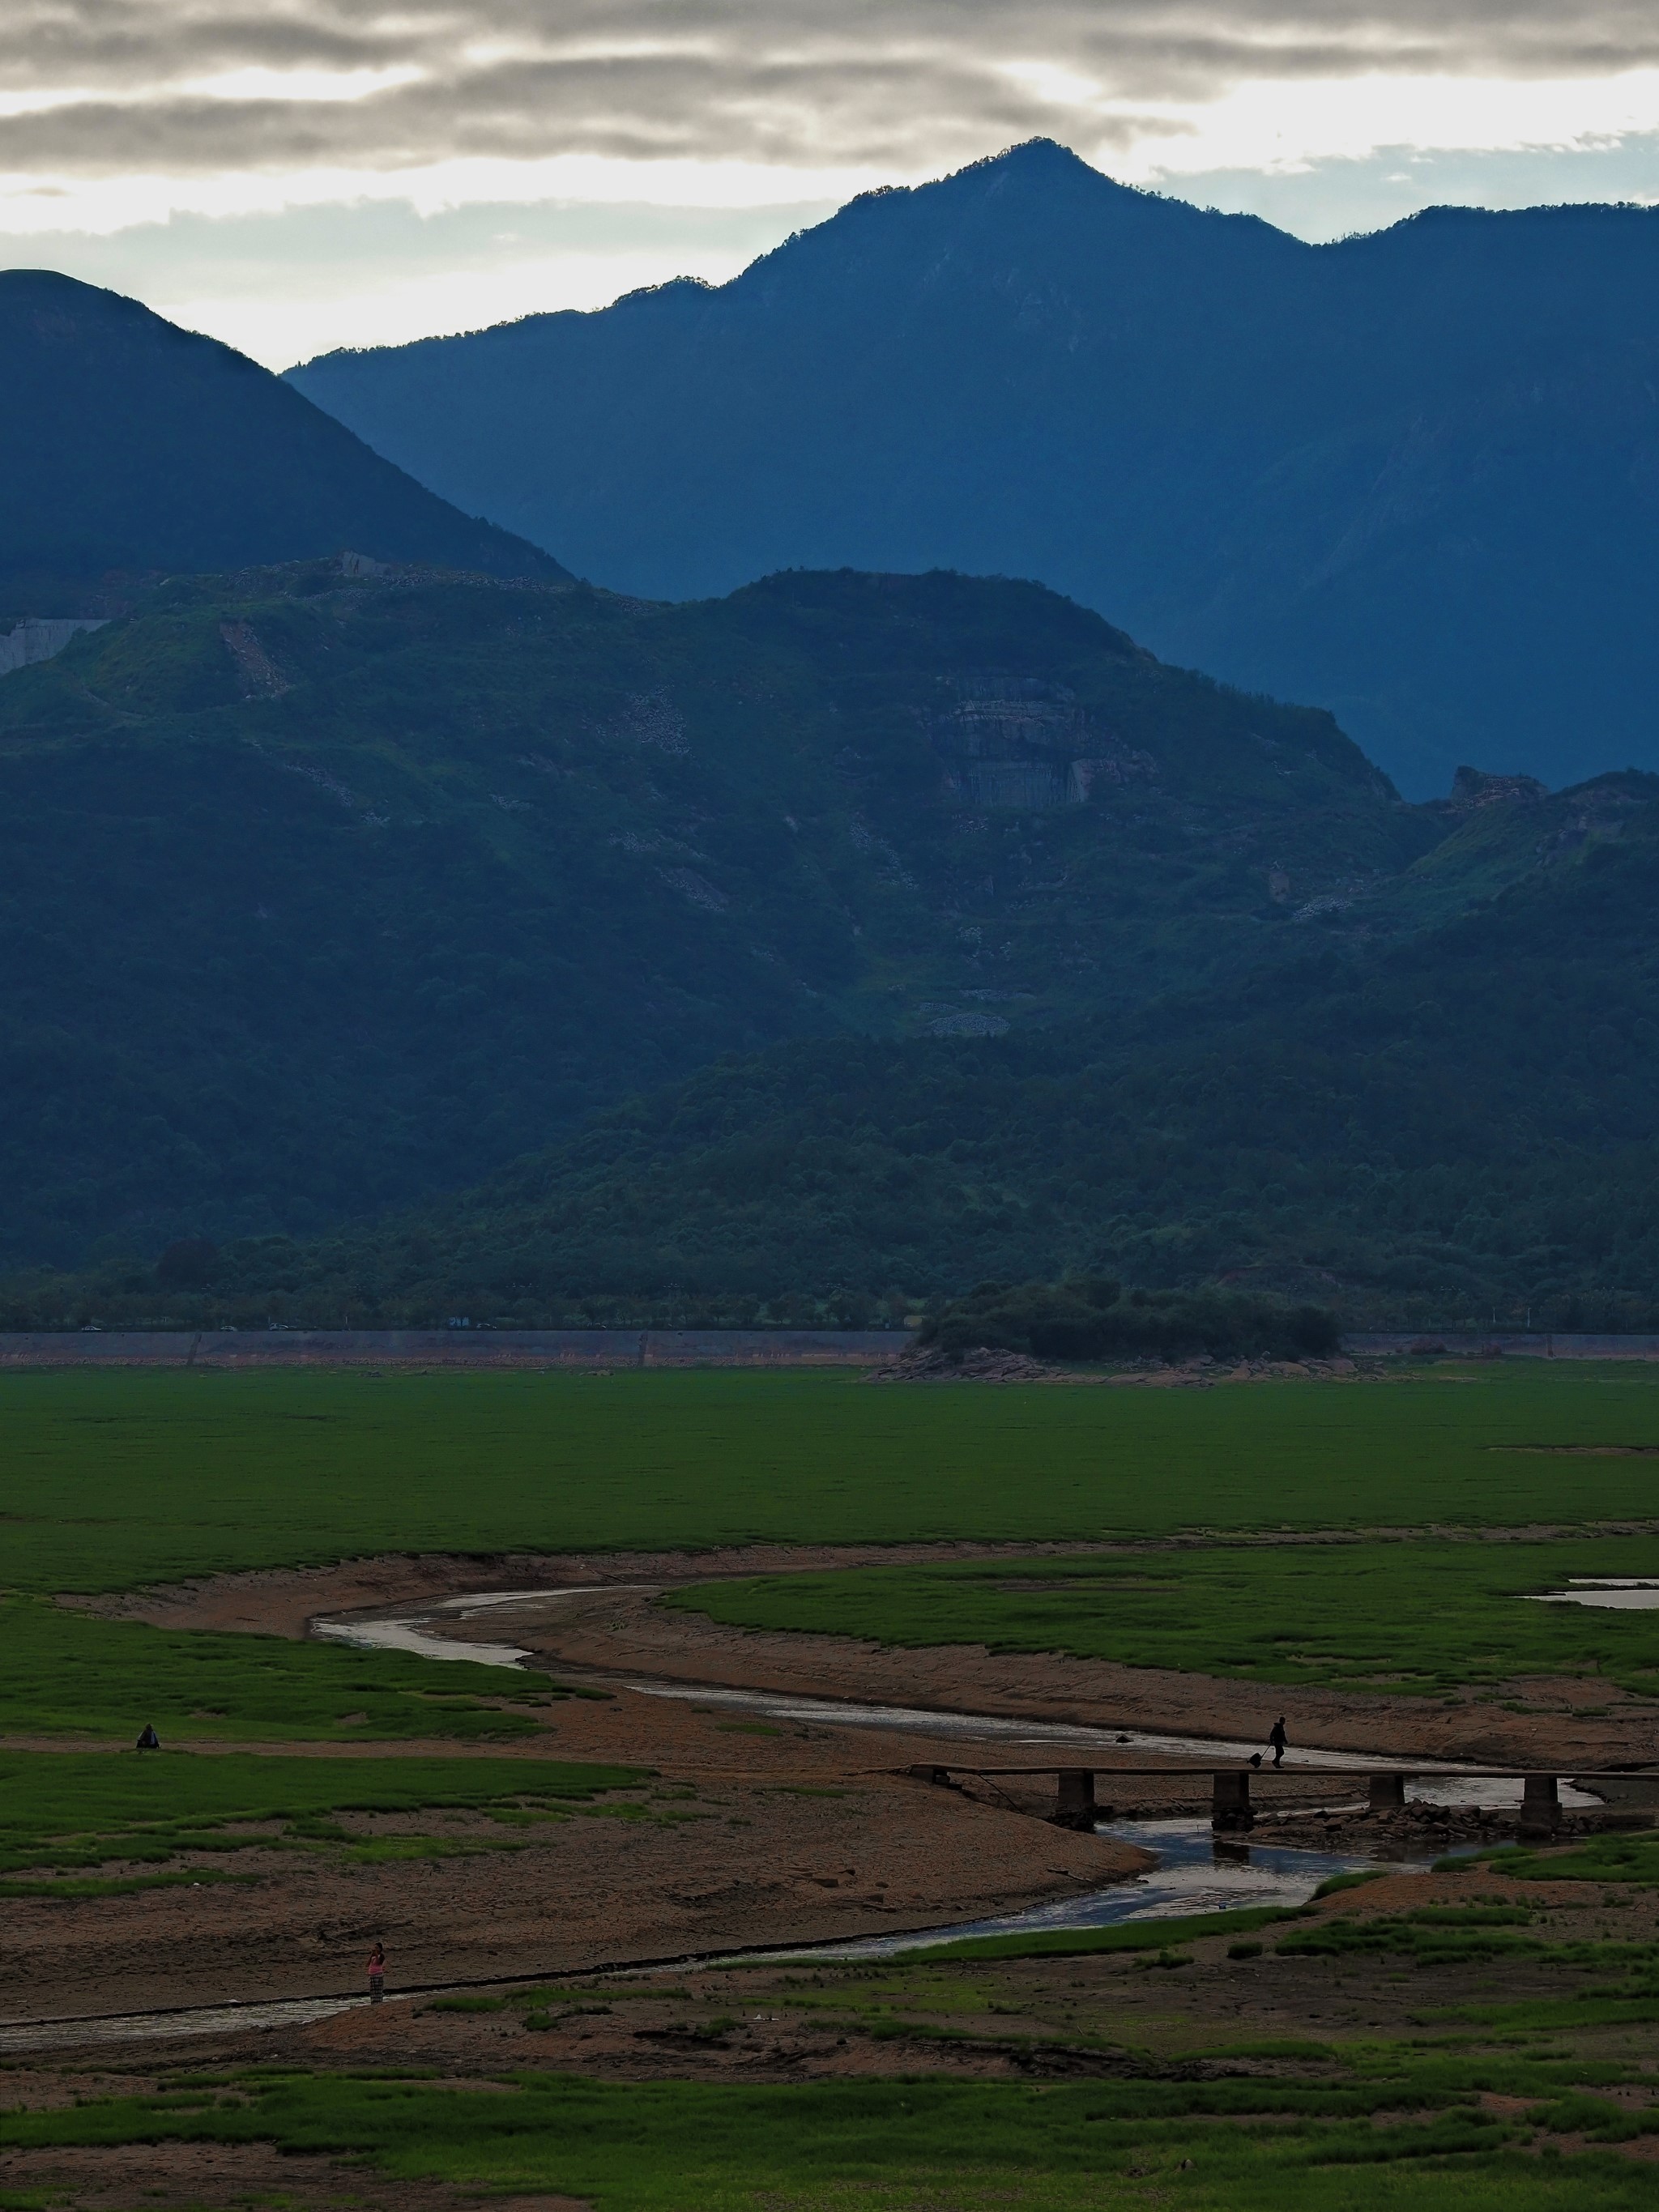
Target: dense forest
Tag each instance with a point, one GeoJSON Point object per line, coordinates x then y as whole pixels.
{"type": "Point", "coordinates": [1438, 1130]}
{"type": "Point", "coordinates": [325, 893]}
{"type": "Point", "coordinates": [417, 947]}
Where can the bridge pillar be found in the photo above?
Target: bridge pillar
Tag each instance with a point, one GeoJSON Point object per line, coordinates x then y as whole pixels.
{"type": "Point", "coordinates": [1074, 1805]}
{"type": "Point", "coordinates": [1541, 1805]}
{"type": "Point", "coordinates": [1229, 1798]}
{"type": "Point", "coordinates": [1388, 1793]}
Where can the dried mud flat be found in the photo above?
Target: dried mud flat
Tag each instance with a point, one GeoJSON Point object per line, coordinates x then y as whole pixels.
{"type": "Point", "coordinates": [1099, 2017]}
{"type": "Point", "coordinates": [799, 1832]}
{"type": "Point", "coordinates": [126, 2177]}
{"type": "Point", "coordinates": [742, 1837]}
{"type": "Point", "coordinates": [752, 1833]}
{"type": "Point", "coordinates": [284, 1600]}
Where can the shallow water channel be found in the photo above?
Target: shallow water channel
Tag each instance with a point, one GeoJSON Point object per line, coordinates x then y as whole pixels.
{"type": "Point", "coordinates": [411, 1631]}
{"type": "Point", "coordinates": [1196, 1871]}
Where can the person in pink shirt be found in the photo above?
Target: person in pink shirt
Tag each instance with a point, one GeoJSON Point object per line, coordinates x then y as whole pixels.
{"type": "Point", "coordinates": [377, 1974]}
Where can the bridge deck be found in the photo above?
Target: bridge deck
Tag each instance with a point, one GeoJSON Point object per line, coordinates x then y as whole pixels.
{"type": "Point", "coordinates": [1428, 1772]}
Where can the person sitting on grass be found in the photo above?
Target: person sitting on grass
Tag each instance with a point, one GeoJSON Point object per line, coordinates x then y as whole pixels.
{"type": "Point", "coordinates": [150, 1740]}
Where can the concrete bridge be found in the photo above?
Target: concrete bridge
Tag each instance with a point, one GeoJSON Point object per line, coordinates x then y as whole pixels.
{"type": "Point", "coordinates": [1230, 1810]}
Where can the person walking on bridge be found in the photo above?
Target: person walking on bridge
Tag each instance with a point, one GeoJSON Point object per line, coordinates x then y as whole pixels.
{"type": "Point", "coordinates": [1279, 1740]}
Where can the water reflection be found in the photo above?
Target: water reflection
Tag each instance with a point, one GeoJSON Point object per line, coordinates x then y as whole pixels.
{"type": "Point", "coordinates": [1620, 1593]}
{"type": "Point", "coordinates": [1197, 1871]}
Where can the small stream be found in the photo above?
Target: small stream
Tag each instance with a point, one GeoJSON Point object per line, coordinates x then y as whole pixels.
{"type": "Point", "coordinates": [409, 1632]}
{"type": "Point", "coordinates": [1196, 1871]}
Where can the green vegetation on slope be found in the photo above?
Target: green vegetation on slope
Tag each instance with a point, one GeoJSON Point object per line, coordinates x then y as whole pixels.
{"type": "Point", "coordinates": [123, 1478]}
{"type": "Point", "coordinates": [1385, 2128]}
{"type": "Point", "coordinates": [1455, 1130]}
{"type": "Point", "coordinates": [322, 893]}
{"type": "Point", "coordinates": [1403, 1618]}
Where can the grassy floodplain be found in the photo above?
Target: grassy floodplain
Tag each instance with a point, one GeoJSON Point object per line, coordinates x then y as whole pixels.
{"type": "Point", "coordinates": [119, 1478]}
{"type": "Point", "coordinates": [1391, 2128]}
{"type": "Point", "coordinates": [122, 1479]}
{"type": "Point", "coordinates": [67, 1672]}
{"type": "Point", "coordinates": [1422, 1618]}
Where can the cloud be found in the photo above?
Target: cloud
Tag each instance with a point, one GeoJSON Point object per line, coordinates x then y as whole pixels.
{"type": "Point", "coordinates": [104, 89]}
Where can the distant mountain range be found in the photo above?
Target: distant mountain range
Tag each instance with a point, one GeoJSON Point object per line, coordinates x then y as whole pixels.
{"type": "Point", "coordinates": [1413, 477]}
{"type": "Point", "coordinates": [847, 940]}
{"type": "Point", "coordinates": [135, 447]}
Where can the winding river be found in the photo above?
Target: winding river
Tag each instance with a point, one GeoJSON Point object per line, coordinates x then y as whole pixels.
{"type": "Point", "coordinates": [1195, 1870]}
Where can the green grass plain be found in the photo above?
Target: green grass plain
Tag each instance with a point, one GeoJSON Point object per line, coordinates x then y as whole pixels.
{"type": "Point", "coordinates": [76, 1810]}
{"type": "Point", "coordinates": [117, 1480]}
{"type": "Point", "coordinates": [123, 1478]}
{"type": "Point", "coordinates": [1418, 1617]}
{"type": "Point", "coordinates": [1390, 2127]}
{"type": "Point", "coordinates": [127, 1477]}
{"type": "Point", "coordinates": [68, 1672]}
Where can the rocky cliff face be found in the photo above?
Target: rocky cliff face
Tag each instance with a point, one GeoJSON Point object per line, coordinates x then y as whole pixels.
{"type": "Point", "coordinates": [1021, 743]}
{"type": "Point", "coordinates": [36, 639]}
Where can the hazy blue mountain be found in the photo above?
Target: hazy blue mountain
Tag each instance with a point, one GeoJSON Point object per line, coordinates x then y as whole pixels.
{"type": "Point", "coordinates": [1413, 477]}
{"type": "Point", "coordinates": [135, 446]}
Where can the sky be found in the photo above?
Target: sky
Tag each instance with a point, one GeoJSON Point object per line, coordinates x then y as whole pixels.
{"type": "Point", "coordinates": [295, 175]}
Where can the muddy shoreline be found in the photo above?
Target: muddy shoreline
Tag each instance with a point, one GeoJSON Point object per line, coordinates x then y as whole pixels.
{"type": "Point", "coordinates": [740, 1838]}
{"type": "Point", "coordinates": [621, 1634]}
{"type": "Point", "coordinates": [618, 1633]}
{"type": "Point", "coordinates": [751, 1832]}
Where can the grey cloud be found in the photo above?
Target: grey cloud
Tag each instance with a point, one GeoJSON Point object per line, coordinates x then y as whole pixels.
{"type": "Point", "coordinates": [900, 83]}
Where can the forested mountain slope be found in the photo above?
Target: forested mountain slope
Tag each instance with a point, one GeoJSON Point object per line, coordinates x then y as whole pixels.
{"type": "Point", "coordinates": [136, 447]}
{"type": "Point", "coordinates": [1413, 477]}
{"type": "Point", "coordinates": [322, 892]}
{"type": "Point", "coordinates": [1426, 1130]}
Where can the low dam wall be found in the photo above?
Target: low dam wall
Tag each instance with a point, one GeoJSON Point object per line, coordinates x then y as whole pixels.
{"type": "Point", "coordinates": [1501, 1344]}
{"type": "Point", "coordinates": [652, 1348]}
{"type": "Point", "coordinates": [453, 1347]}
